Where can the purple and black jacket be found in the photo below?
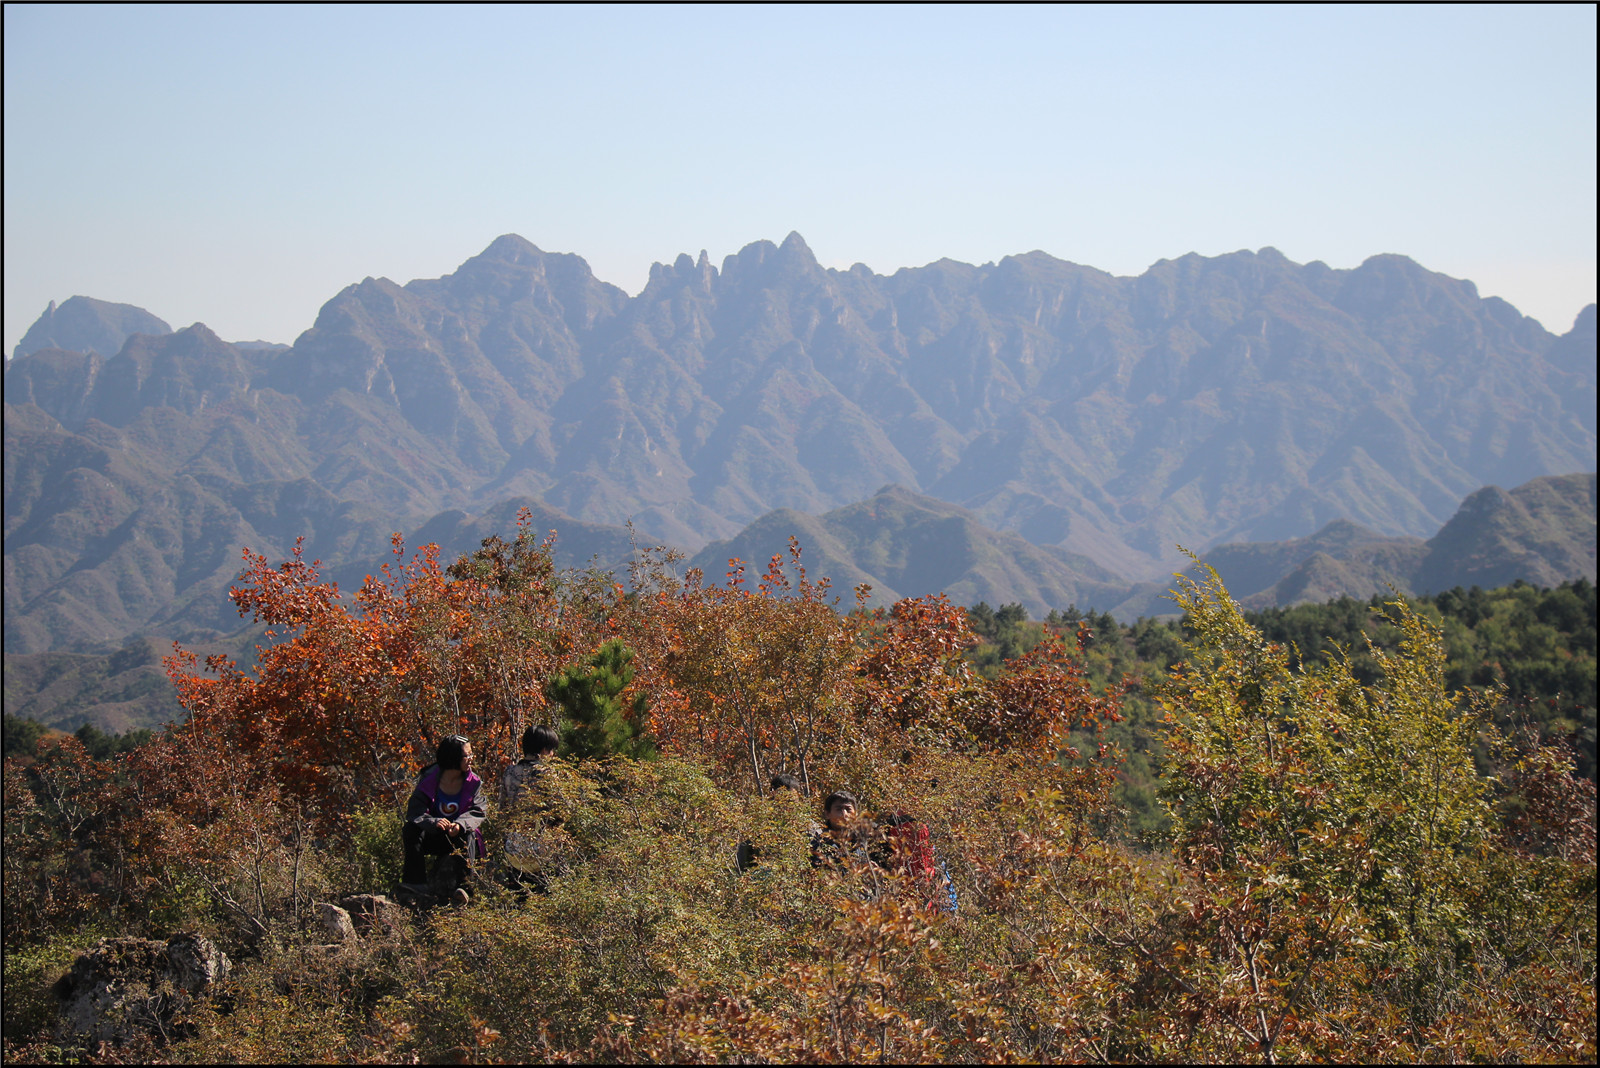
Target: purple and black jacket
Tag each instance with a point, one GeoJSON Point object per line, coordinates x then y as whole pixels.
{"type": "Point", "coordinates": [425, 807]}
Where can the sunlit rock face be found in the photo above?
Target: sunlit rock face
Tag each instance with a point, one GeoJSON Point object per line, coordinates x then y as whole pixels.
{"type": "Point", "coordinates": [126, 989]}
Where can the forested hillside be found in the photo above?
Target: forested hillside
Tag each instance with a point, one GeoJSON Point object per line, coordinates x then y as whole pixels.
{"type": "Point", "coordinates": [1353, 862]}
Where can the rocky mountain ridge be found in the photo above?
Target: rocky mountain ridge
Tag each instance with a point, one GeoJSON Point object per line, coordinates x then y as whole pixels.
{"type": "Point", "coordinates": [1542, 532]}
{"type": "Point", "coordinates": [1209, 400]}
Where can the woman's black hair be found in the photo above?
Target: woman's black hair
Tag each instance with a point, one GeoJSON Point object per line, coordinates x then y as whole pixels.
{"type": "Point", "coordinates": [787, 782]}
{"type": "Point", "coordinates": [540, 739]}
{"type": "Point", "coordinates": [451, 750]}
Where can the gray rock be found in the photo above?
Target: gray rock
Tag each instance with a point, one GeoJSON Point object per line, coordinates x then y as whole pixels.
{"type": "Point", "coordinates": [336, 922]}
{"type": "Point", "coordinates": [125, 988]}
{"type": "Point", "coordinates": [372, 913]}
{"type": "Point", "coordinates": [195, 963]}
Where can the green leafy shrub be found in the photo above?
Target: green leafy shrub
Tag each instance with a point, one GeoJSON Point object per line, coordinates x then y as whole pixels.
{"type": "Point", "coordinates": [29, 1006]}
{"type": "Point", "coordinates": [374, 848]}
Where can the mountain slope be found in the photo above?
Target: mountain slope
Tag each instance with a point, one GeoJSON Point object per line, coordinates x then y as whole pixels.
{"type": "Point", "coordinates": [1542, 532]}
{"type": "Point", "coordinates": [83, 324]}
{"type": "Point", "coordinates": [907, 545]}
{"type": "Point", "coordinates": [1209, 400]}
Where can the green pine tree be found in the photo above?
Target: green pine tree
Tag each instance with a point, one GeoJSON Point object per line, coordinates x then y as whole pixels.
{"type": "Point", "coordinates": [597, 723]}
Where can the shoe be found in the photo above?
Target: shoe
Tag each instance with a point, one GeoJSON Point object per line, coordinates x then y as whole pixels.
{"type": "Point", "coordinates": [460, 897]}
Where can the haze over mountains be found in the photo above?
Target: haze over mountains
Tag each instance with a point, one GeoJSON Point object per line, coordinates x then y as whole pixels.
{"type": "Point", "coordinates": [1042, 421]}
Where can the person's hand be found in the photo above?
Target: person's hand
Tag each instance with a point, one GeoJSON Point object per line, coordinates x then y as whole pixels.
{"type": "Point", "coordinates": [447, 827]}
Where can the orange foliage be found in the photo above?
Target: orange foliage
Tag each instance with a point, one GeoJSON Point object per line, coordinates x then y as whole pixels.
{"type": "Point", "coordinates": [353, 694]}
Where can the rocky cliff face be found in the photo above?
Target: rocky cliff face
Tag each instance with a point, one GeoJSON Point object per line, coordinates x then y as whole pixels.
{"type": "Point", "coordinates": [1242, 397]}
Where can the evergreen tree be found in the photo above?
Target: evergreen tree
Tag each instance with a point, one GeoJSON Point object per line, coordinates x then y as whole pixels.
{"type": "Point", "coordinates": [22, 735]}
{"type": "Point", "coordinates": [597, 722]}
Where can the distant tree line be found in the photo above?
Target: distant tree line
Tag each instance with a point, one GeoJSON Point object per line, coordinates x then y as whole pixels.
{"type": "Point", "coordinates": [1538, 644]}
{"type": "Point", "coordinates": [22, 735]}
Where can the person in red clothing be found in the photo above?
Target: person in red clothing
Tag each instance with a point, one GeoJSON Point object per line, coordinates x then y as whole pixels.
{"type": "Point", "coordinates": [912, 857]}
{"type": "Point", "coordinates": [442, 820]}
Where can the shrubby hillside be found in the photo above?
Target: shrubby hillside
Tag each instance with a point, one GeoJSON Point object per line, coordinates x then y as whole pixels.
{"type": "Point", "coordinates": [1356, 864]}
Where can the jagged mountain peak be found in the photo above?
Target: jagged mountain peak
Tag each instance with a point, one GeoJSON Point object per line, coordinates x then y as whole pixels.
{"type": "Point", "coordinates": [684, 271]}
{"type": "Point", "coordinates": [514, 270]}
{"type": "Point", "coordinates": [84, 324]}
{"type": "Point", "coordinates": [1583, 325]}
{"type": "Point", "coordinates": [1393, 261]}
{"type": "Point", "coordinates": [795, 246]}
{"type": "Point", "coordinates": [1395, 277]}
{"type": "Point", "coordinates": [768, 263]}
{"type": "Point", "coordinates": [511, 248]}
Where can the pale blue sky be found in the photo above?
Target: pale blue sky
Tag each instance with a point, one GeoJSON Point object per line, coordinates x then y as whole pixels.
{"type": "Point", "coordinates": [239, 166]}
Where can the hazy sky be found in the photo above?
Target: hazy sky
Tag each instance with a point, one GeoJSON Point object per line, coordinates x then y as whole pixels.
{"type": "Point", "coordinates": [239, 166]}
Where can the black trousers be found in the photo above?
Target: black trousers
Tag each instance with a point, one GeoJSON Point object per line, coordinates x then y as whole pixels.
{"type": "Point", "coordinates": [422, 842]}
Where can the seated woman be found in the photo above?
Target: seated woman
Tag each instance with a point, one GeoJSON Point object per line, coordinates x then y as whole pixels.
{"type": "Point", "coordinates": [442, 820]}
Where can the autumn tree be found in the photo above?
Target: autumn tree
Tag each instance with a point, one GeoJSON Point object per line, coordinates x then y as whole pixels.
{"type": "Point", "coordinates": [1336, 843]}
{"type": "Point", "coordinates": [753, 681]}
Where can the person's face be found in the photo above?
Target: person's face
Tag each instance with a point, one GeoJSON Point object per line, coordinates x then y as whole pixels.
{"type": "Point", "coordinates": [466, 758]}
{"type": "Point", "coordinates": [841, 814]}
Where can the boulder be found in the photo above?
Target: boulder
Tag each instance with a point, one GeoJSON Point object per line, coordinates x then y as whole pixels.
{"type": "Point", "coordinates": [128, 988]}
{"type": "Point", "coordinates": [336, 922]}
{"type": "Point", "coordinates": [372, 913]}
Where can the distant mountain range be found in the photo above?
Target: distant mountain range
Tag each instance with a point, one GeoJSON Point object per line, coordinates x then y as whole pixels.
{"type": "Point", "coordinates": [1541, 532]}
{"type": "Point", "coordinates": [1055, 431]}
{"type": "Point", "coordinates": [898, 541]}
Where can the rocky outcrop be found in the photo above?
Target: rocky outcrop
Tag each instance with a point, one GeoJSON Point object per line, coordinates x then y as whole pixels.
{"type": "Point", "coordinates": [83, 324]}
{"type": "Point", "coordinates": [127, 989]}
{"type": "Point", "coordinates": [336, 922]}
{"type": "Point", "coordinates": [372, 913]}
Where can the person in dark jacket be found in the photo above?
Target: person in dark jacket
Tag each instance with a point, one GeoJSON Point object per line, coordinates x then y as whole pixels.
{"type": "Point", "coordinates": [522, 866]}
{"type": "Point", "coordinates": [539, 744]}
{"type": "Point", "coordinates": [842, 843]}
{"type": "Point", "coordinates": [443, 820]}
